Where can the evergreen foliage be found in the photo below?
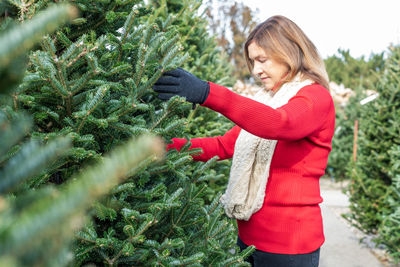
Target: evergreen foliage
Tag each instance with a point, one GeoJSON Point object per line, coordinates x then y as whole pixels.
{"type": "Point", "coordinates": [360, 75]}
{"type": "Point", "coordinates": [37, 223]}
{"type": "Point", "coordinates": [92, 81]}
{"type": "Point", "coordinates": [374, 191]}
{"type": "Point", "coordinates": [355, 72]}
{"type": "Point", "coordinates": [210, 64]}
{"type": "Point", "coordinates": [17, 39]}
{"type": "Point", "coordinates": [37, 227]}
{"type": "Point", "coordinates": [341, 157]}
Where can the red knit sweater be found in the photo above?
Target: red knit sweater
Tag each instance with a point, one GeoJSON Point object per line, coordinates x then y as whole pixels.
{"type": "Point", "coordinates": [290, 220]}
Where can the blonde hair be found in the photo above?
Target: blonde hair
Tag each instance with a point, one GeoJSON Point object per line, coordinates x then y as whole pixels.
{"type": "Point", "coordinates": [283, 40]}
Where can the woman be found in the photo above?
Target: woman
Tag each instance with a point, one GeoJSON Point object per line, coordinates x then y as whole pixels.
{"type": "Point", "coordinates": [280, 143]}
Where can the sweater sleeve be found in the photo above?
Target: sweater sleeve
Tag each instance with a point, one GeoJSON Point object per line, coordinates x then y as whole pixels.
{"type": "Point", "coordinates": [221, 146]}
{"type": "Point", "coordinates": [304, 113]}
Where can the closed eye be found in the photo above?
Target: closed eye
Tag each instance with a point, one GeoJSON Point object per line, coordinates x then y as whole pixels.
{"type": "Point", "coordinates": [261, 59]}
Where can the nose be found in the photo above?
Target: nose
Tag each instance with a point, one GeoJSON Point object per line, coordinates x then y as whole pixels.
{"type": "Point", "coordinates": [257, 70]}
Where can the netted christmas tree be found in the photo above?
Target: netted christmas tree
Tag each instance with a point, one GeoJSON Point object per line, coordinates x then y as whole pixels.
{"type": "Point", "coordinates": [375, 188]}
{"type": "Point", "coordinates": [92, 82]}
{"type": "Point", "coordinates": [37, 226]}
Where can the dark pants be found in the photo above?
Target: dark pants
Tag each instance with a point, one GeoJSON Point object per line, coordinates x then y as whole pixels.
{"type": "Point", "coordinates": [265, 259]}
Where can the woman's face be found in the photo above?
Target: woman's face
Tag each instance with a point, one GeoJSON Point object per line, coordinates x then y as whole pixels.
{"type": "Point", "coordinates": [268, 70]}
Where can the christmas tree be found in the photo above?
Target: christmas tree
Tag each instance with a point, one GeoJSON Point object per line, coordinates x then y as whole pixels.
{"type": "Point", "coordinates": [210, 64]}
{"type": "Point", "coordinates": [360, 75]}
{"type": "Point", "coordinates": [341, 157]}
{"type": "Point", "coordinates": [92, 81]}
{"type": "Point", "coordinates": [375, 188]}
{"type": "Point", "coordinates": [37, 223]}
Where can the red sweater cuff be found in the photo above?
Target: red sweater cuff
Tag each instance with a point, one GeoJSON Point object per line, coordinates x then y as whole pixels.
{"type": "Point", "coordinates": [215, 95]}
{"type": "Point", "coordinates": [218, 97]}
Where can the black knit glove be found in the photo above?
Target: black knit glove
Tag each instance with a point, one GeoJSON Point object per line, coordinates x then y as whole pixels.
{"type": "Point", "coordinates": [182, 83]}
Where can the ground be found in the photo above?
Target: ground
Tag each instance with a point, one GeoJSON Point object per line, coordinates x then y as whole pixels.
{"type": "Point", "coordinates": [342, 247]}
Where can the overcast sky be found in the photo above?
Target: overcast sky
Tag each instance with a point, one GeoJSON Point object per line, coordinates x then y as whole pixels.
{"type": "Point", "coordinates": [360, 26]}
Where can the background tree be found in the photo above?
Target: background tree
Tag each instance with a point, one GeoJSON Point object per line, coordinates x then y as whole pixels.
{"type": "Point", "coordinates": [232, 22]}
{"type": "Point", "coordinates": [355, 72]}
{"type": "Point", "coordinates": [374, 192]}
{"type": "Point", "coordinates": [360, 75]}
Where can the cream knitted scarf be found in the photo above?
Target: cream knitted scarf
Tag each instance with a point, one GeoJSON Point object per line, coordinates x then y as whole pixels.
{"type": "Point", "coordinates": [252, 159]}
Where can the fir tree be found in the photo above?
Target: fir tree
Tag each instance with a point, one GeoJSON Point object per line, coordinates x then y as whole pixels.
{"type": "Point", "coordinates": [341, 157]}
{"type": "Point", "coordinates": [355, 72]}
{"type": "Point", "coordinates": [37, 226]}
{"type": "Point", "coordinates": [14, 42]}
{"type": "Point", "coordinates": [92, 81]}
{"type": "Point", "coordinates": [210, 64]}
{"type": "Point", "coordinates": [374, 192]}
{"type": "Point", "coordinates": [359, 75]}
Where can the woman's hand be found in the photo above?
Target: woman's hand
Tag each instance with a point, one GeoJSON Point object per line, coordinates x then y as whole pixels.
{"type": "Point", "coordinates": [182, 83]}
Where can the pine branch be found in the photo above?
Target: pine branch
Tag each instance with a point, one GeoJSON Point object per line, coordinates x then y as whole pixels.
{"type": "Point", "coordinates": [21, 38]}
{"type": "Point", "coordinates": [168, 108]}
{"type": "Point", "coordinates": [67, 205]}
{"type": "Point", "coordinates": [126, 29]}
{"type": "Point", "coordinates": [60, 69]}
{"type": "Point", "coordinates": [34, 158]}
{"type": "Point", "coordinates": [140, 91]}
{"type": "Point", "coordinates": [192, 260]}
{"type": "Point", "coordinates": [43, 61]}
{"type": "Point", "coordinates": [174, 223]}
{"type": "Point", "coordinates": [136, 34]}
{"type": "Point", "coordinates": [170, 56]}
{"type": "Point", "coordinates": [140, 64]}
{"type": "Point", "coordinates": [168, 21]}
{"type": "Point", "coordinates": [93, 102]}
{"type": "Point", "coordinates": [12, 131]}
